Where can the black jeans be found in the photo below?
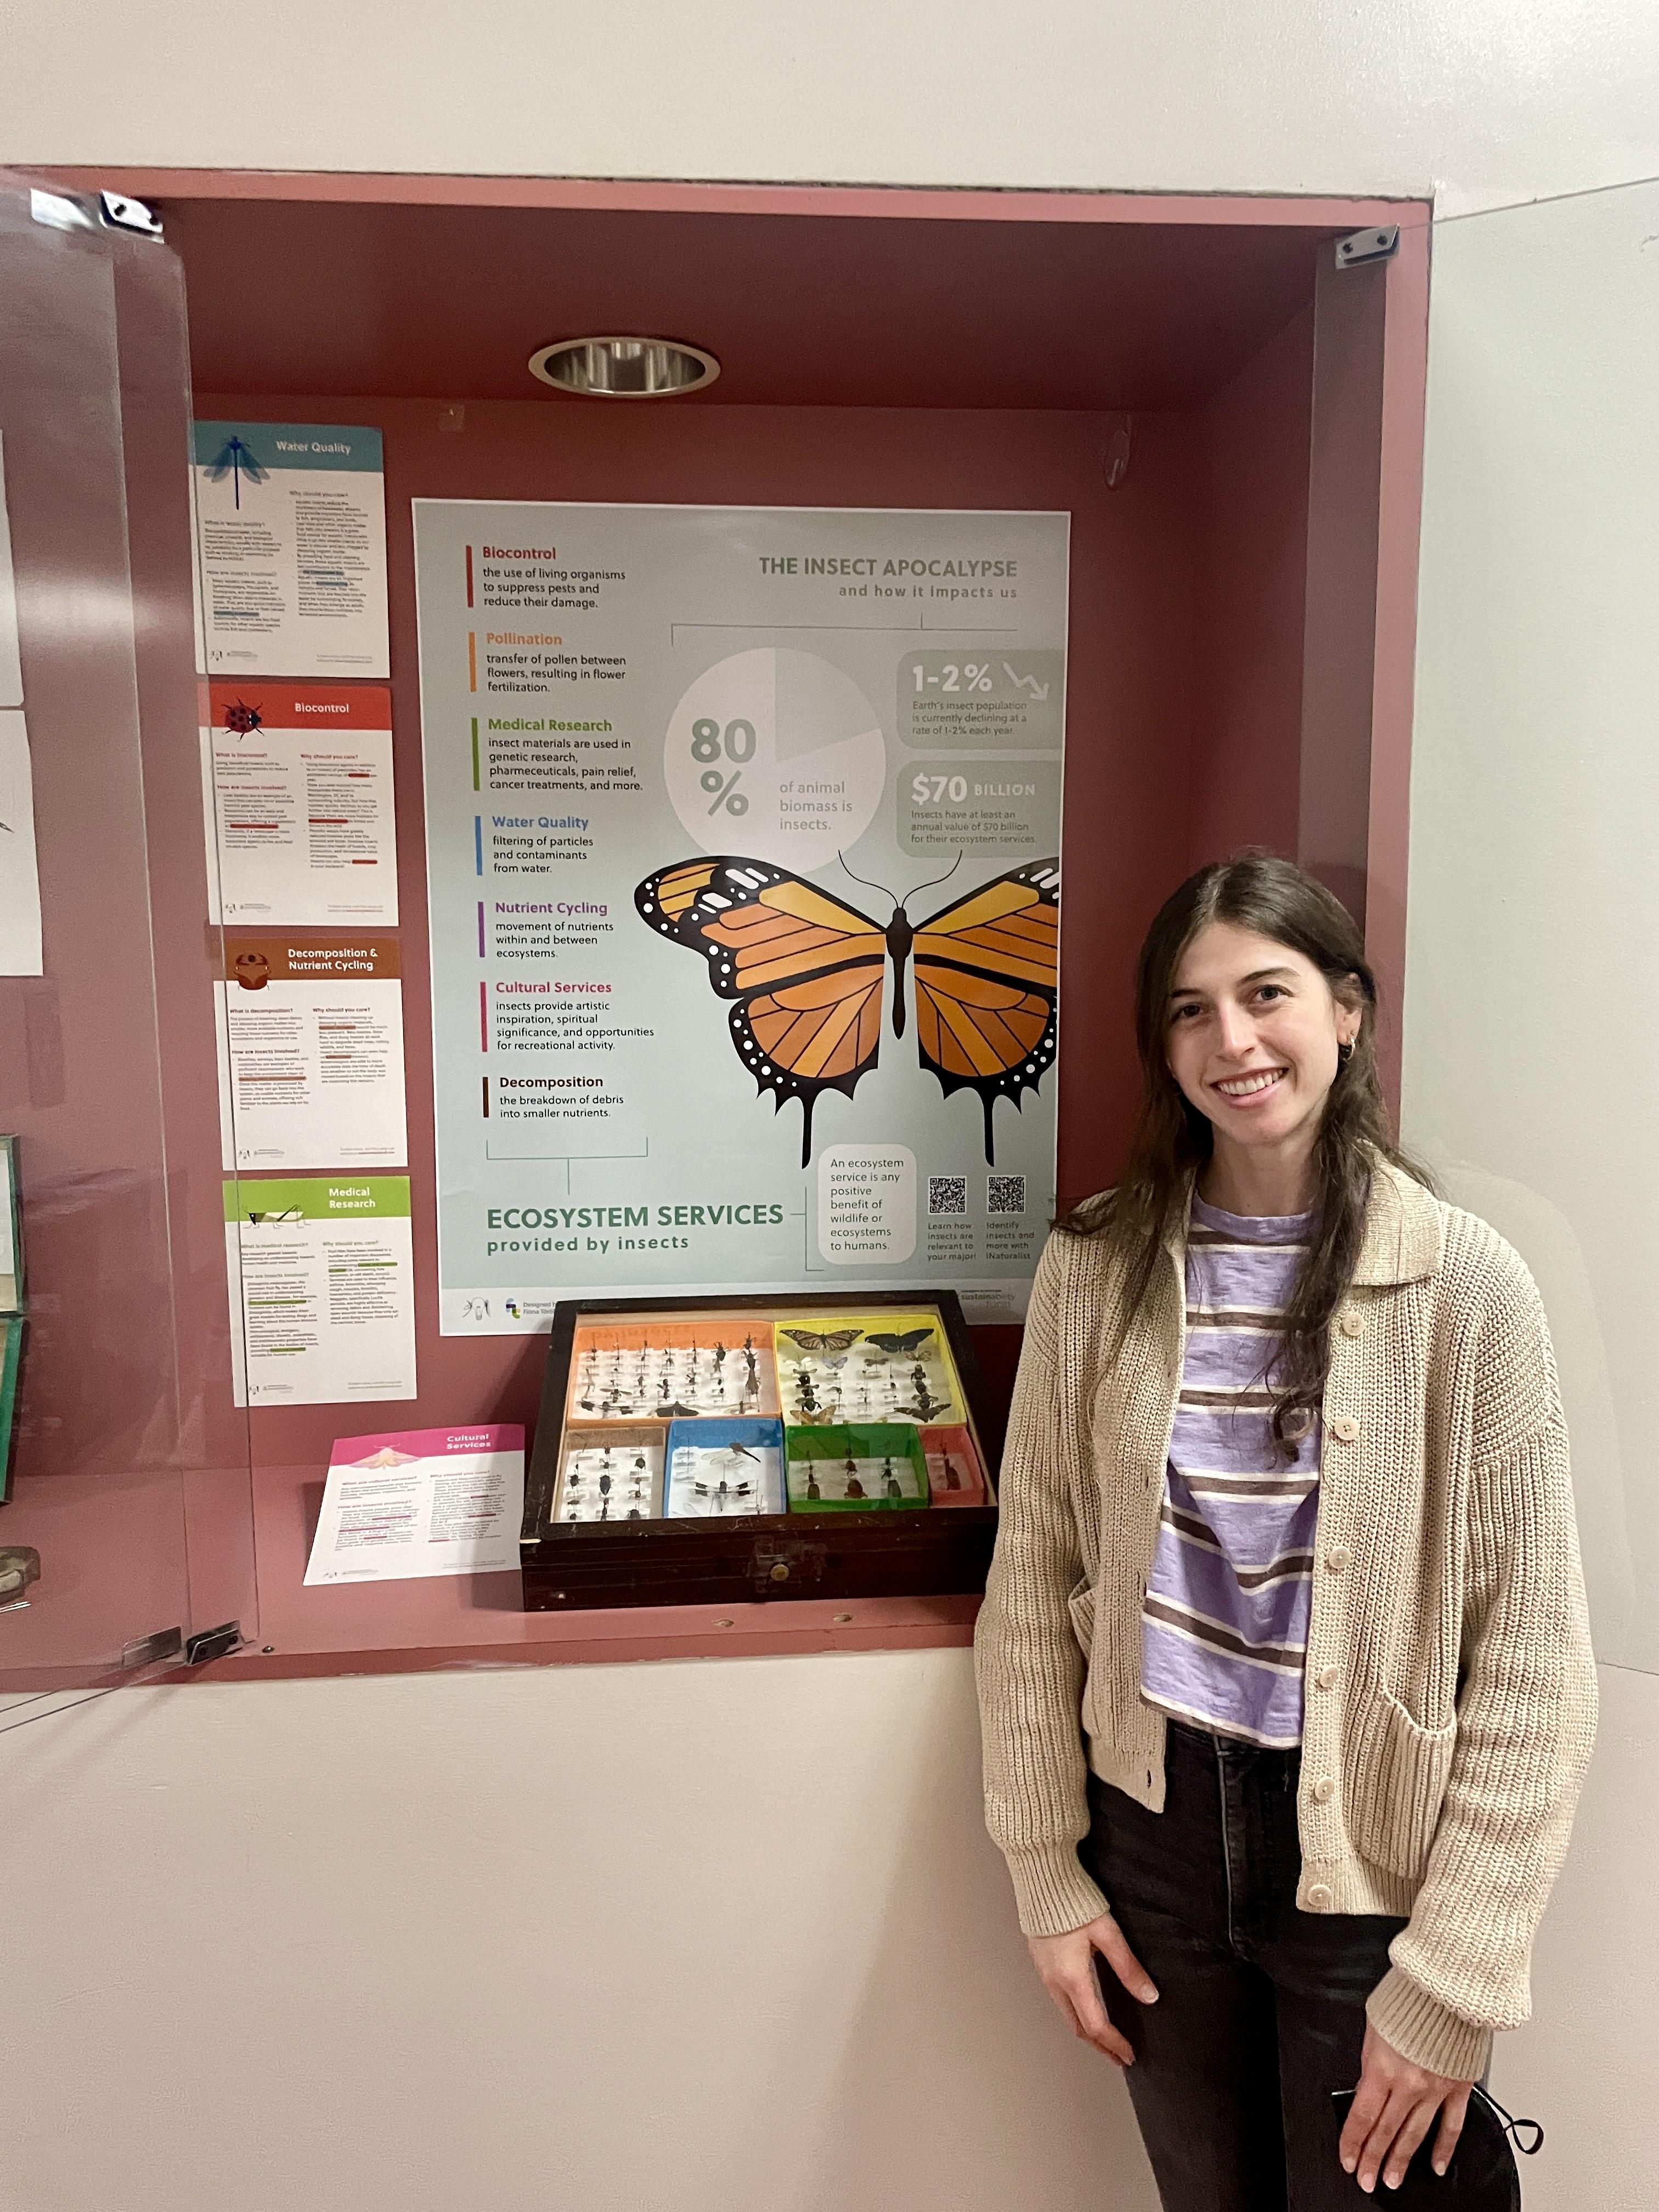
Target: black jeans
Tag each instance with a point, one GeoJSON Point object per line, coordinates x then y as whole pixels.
{"type": "Point", "coordinates": [1262, 2007]}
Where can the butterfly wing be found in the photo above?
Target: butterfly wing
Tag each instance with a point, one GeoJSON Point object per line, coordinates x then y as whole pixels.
{"type": "Point", "coordinates": [987, 972]}
{"type": "Point", "coordinates": [804, 971]}
{"type": "Point", "coordinates": [808, 1340]}
{"type": "Point", "coordinates": [902, 1346]}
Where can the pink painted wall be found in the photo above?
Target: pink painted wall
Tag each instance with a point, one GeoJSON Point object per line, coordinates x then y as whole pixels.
{"type": "Point", "coordinates": [1254, 439]}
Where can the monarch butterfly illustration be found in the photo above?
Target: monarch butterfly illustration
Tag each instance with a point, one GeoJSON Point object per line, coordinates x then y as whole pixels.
{"type": "Point", "coordinates": [805, 972]}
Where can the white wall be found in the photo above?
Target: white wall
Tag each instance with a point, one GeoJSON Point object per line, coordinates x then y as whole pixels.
{"type": "Point", "coordinates": [1493, 100]}
{"type": "Point", "coordinates": [1531, 1050]}
{"type": "Point", "coordinates": [1587, 2064]}
{"type": "Point", "coordinates": [676, 1938]}
{"type": "Point", "coordinates": [296, 1945]}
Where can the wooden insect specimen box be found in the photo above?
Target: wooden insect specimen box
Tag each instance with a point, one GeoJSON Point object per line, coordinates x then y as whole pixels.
{"type": "Point", "coordinates": [698, 1452]}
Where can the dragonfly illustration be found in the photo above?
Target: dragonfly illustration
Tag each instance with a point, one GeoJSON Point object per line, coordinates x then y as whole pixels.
{"type": "Point", "coordinates": [234, 460]}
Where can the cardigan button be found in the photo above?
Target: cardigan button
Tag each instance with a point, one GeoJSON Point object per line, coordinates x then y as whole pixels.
{"type": "Point", "coordinates": [1351, 1325]}
{"type": "Point", "coordinates": [1319, 1898]}
{"type": "Point", "coordinates": [1345, 1428]}
{"type": "Point", "coordinates": [1324, 1790]}
{"type": "Point", "coordinates": [1339, 1558]}
{"type": "Point", "coordinates": [1325, 1679]}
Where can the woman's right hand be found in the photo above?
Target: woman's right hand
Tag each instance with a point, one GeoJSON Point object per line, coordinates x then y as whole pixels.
{"type": "Point", "coordinates": [1066, 1965]}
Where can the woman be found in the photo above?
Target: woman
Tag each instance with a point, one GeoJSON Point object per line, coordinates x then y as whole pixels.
{"type": "Point", "coordinates": [1283, 1668]}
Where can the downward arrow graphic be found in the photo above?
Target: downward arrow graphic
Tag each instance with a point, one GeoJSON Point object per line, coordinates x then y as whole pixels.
{"type": "Point", "coordinates": [1039, 691]}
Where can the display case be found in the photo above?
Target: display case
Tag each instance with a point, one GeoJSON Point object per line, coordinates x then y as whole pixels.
{"type": "Point", "coordinates": [690, 1452]}
{"type": "Point", "coordinates": [1230, 416]}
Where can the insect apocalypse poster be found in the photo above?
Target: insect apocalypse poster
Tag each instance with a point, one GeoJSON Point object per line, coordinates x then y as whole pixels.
{"type": "Point", "coordinates": [743, 838]}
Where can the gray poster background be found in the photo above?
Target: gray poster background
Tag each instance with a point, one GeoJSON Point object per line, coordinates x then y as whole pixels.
{"type": "Point", "coordinates": [625, 1150]}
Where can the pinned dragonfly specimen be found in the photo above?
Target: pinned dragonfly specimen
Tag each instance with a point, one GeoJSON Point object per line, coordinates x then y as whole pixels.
{"type": "Point", "coordinates": [234, 460]}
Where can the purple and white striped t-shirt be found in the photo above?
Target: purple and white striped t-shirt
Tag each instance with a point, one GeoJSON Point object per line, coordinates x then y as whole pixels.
{"type": "Point", "coordinates": [1223, 1628]}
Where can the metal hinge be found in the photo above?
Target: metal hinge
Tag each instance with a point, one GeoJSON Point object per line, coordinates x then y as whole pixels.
{"type": "Point", "coordinates": [121, 213]}
{"type": "Point", "coordinates": [1368, 246]}
{"type": "Point", "coordinates": [213, 1644]}
{"type": "Point", "coordinates": [82, 211]}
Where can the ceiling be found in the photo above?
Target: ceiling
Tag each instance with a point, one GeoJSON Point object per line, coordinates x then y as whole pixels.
{"type": "Point", "coordinates": [400, 302]}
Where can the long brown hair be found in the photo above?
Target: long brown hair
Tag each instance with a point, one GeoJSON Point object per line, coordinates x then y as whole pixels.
{"type": "Point", "coordinates": [1171, 1139]}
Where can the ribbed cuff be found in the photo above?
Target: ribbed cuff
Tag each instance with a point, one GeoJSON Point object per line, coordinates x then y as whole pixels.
{"type": "Point", "coordinates": [1052, 1892]}
{"type": "Point", "coordinates": [1420, 2028]}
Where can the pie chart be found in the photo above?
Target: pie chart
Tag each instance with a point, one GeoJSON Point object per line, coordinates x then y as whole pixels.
{"type": "Point", "coordinates": [778, 755]}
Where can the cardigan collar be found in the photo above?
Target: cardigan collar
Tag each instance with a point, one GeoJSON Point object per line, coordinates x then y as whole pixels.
{"type": "Point", "coordinates": [1404, 1234]}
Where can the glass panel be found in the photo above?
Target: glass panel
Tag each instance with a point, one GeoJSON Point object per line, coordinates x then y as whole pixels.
{"type": "Point", "coordinates": [1532, 1055]}
{"type": "Point", "coordinates": [106, 1059]}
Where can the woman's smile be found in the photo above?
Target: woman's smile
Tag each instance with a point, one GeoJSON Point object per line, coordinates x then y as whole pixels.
{"type": "Point", "coordinates": [1252, 1089]}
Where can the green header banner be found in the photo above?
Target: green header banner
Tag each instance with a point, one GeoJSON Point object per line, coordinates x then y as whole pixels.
{"type": "Point", "coordinates": [316, 1198]}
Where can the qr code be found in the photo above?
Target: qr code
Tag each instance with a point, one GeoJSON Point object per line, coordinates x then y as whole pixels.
{"type": "Point", "coordinates": [1005, 1194]}
{"type": "Point", "coordinates": [947, 1194]}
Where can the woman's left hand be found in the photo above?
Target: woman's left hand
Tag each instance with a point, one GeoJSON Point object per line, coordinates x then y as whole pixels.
{"type": "Point", "coordinates": [1394, 2108]}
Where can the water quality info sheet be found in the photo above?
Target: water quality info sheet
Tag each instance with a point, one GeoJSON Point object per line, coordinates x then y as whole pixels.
{"type": "Point", "coordinates": [742, 833]}
{"type": "Point", "coordinates": [311, 1031]}
{"type": "Point", "coordinates": [297, 796]}
{"type": "Point", "coordinates": [322, 1274]}
{"type": "Point", "coordinates": [290, 520]}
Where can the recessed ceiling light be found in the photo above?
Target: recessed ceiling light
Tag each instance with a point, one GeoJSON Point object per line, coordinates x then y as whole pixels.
{"type": "Point", "coordinates": [624, 369]}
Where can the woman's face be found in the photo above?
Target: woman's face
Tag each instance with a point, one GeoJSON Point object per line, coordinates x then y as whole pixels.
{"type": "Point", "coordinates": [1252, 1034]}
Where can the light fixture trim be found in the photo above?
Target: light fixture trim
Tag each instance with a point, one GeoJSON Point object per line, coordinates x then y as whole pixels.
{"type": "Point", "coordinates": [621, 366]}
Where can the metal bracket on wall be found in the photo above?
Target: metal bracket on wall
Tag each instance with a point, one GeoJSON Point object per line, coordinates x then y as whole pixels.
{"type": "Point", "coordinates": [213, 1644]}
{"type": "Point", "coordinates": [1360, 246]}
{"type": "Point", "coordinates": [121, 213]}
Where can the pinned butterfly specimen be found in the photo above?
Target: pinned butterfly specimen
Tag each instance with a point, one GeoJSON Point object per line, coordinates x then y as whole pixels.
{"type": "Point", "coordinates": [809, 1340]}
{"type": "Point", "coordinates": [900, 1346]}
{"type": "Point", "coordinates": [805, 973]}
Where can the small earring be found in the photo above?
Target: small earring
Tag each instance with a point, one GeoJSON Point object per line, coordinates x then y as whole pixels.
{"type": "Point", "coordinates": [1345, 1053]}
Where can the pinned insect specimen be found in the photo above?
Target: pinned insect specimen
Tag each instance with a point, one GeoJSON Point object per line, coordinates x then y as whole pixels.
{"type": "Point", "coordinates": [809, 1339]}
{"type": "Point", "coordinates": [900, 1347]}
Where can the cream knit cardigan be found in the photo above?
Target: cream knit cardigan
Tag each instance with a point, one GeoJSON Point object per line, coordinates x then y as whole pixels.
{"type": "Point", "coordinates": [1451, 1701]}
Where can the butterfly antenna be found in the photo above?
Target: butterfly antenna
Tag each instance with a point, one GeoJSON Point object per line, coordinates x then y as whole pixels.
{"type": "Point", "coordinates": [868, 885]}
{"type": "Point", "coordinates": [932, 880]}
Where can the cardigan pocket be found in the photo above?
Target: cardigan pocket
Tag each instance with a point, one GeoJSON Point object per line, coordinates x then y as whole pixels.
{"type": "Point", "coordinates": [1080, 1604]}
{"type": "Point", "coordinates": [1398, 1772]}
